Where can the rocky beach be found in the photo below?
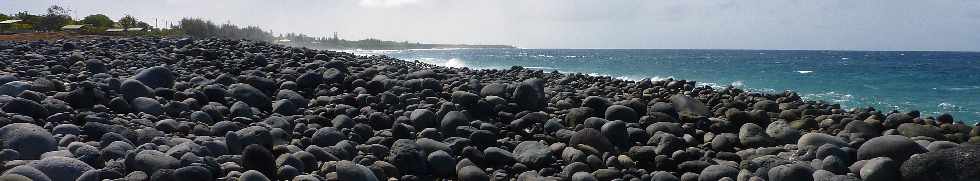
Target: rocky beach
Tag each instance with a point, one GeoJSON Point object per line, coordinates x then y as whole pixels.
{"type": "Point", "coordinates": [147, 108]}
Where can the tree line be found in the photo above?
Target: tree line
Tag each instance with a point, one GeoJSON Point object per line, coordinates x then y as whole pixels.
{"type": "Point", "coordinates": [57, 17]}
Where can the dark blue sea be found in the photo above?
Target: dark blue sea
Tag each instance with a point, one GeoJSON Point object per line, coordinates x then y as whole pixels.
{"type": "Point", "coordinates": [931, 82]}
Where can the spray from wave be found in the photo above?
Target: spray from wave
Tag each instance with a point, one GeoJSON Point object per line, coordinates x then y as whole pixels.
{"type": "Point", "coordinates": [452, 62]}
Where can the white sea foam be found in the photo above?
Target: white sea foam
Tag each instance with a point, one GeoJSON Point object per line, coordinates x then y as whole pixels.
{"type": "Point", "coordinates": [948, 107]}
{"type": "Point", "coordinates": [963, 88]}
{"type": "Point", "coordinates": [360, 52]}
{"type": "Point", "coordinates": [738, 84]}
{"type": "Point", "coordinates": [455, 63]}
{"type": "Point", "coordinates": [835, 97]}
{"type": "Point", "coordinates": [804, 71]}
{"type": "Point", "coordinates": [542, 68]}
{"type": "Point", "coordinates": [452, 62]}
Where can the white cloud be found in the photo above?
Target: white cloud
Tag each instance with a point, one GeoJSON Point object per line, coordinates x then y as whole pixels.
{"type": "Point", "coordinates": [386, 3]}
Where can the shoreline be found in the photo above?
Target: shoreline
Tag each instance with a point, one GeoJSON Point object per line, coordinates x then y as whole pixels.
{"type": "Point", "coordinates": [228, 109]}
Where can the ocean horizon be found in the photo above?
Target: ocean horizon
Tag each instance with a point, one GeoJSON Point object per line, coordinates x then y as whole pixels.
{"type": "Point", "coordinates": [932, 82]}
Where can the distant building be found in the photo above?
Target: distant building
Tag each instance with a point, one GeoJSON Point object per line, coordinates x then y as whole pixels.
{"type": "Point", "coordinates": [7, 24]}
{"type": "Point", "coordinates": [124, 31]}
{"type": "Point", "coordinates": [73, 28]}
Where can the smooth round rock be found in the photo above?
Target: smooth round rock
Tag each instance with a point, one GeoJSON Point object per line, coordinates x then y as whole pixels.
{"type": "Point", "coordinates": [347, 170]}
{"type": "Point", "coordinates": [716, 172]}
{"type": "Point", "coordinates": [472, 173]}
{"type": "Point", "coordinates": [880, 169]}
{"type": "Point", "coordinates": [408, 157]}
{"type": "Point", "coordinates": [950, 164]}
{"type": "Point", "coordinates": [28, 139]}
{"type": "Point", "coordinates": [620, 112]}
{"type": "Point", "coordinates": [441, 163]}
{"type": "Point", "coordinates": [61, 168]}
{"type": "Point", "coordinates": [256, 157]}
{"type": "Point", "coordinates": [131, 89]}
{"type": "Point", "coordinates": [156, 77]}
{"type": "Point", "coordinates": [29, 172]}
{"type": "Point", "coordinates": [815, 140]}
{"type": "Point", "coordinates": [898, 148]}
{"type": "Point", "coordinates": [147, 105]}
{"type": "Point", "coordinates": [150, 161]}
{"type": "Point", "coordinates": [791, 172]}
{"type": "Point", "coordinates": [327, 136]}
{"type": "Point", "coordinates": [591, 137]}
{"type": "Point", "coordinates": [253, 175]}
{"type": "Point", "coordinates": [753, 135]}
{"type": "Point", "coordinates": [533, 154]}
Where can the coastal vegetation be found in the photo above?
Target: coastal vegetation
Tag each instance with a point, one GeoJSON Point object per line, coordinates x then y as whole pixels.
{"type": "Point", "coordinates": [56, 17]}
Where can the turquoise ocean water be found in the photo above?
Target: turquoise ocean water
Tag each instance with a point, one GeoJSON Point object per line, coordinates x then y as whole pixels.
{"type": "Point", "coordinates": [931, 82]}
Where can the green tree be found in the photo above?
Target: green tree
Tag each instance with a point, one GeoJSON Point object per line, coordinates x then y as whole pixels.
{"type": "Point", "coordinates": [98, 20]}
{"type": "Point", "coordinates": [128, 21]}
{"type": "Point", "coordinates": [55, 19]}
{"type": "Point", "coordinates": [4, 17]}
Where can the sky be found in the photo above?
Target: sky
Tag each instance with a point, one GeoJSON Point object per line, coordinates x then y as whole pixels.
{"type": "Point", "coordinates": [952, 25]}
